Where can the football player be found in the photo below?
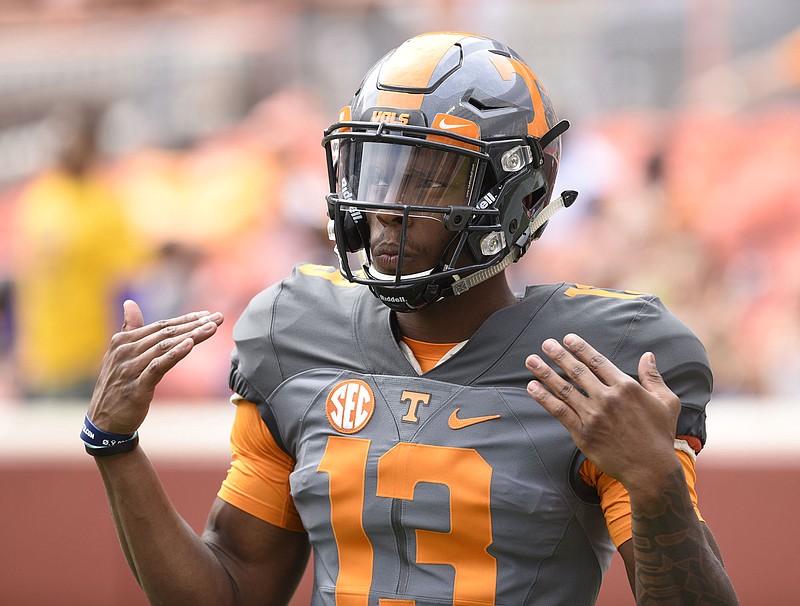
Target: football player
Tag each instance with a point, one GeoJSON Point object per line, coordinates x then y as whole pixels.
{"type": "Point", "coordinates": [433, 437]}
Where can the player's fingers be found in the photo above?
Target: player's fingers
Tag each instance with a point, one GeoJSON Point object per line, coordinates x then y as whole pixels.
{"type": "Point", "coordinates": [206, 327]}
{"type": "Point", "coordinates": [652, 381]}
{"type": "Point", "coordinates": [129, 356]}
{"type": "Point", "coordinates": [598, 365]}
{"type": "Point", "coordinates": [174, 350]}
{"type": "Point", "coordinates": [158, 366]}
{"type": "Point", "coordinates": [166, 339]}
{"type": "Point", "coordinates": [562, 411]}
{"type": "Point", "coordinates": [168, 327]}
{"type": "Point", "coordinates": [558, 386]}
{"type": "Point", "coordinates": [577, 373]}
{"type": "Point", "coordinates": [132, 317]}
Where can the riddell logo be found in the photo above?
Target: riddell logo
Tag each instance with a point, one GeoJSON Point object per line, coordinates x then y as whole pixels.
{"type": "Point", "coordinates": [391, 117]}
{"type": "Point", "coordinates": [390, 299]}
{"type": "Point", "coordinates": [350, 406]}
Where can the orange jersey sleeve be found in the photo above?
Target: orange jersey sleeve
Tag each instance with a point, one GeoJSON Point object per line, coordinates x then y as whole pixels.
{"type": "Point", "coordinates": [614, 498]}
{"type": "Point", "coordinates": [258, 478]}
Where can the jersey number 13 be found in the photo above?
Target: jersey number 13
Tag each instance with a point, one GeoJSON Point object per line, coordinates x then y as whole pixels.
{"type": "Point", "coordinates": [468, 477]}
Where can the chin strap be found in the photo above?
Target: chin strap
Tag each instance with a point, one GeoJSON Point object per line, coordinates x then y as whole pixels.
{"type": "Point", "coordinates": [565, 200]}
{"type": "Point", "coordinates": [462, 285]}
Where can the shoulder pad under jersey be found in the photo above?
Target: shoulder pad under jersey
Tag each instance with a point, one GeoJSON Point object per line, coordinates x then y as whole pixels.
{"type": "Point", "coordinates": [625, 324]}
{"type": "Point", "coordinates": [622, 325]}
{"type": "Point", "coordinates": [312, 319]}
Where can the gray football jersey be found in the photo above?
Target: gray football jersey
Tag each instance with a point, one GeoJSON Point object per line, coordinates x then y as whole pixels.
{"type": "Point", "coordinates": [454, 487]}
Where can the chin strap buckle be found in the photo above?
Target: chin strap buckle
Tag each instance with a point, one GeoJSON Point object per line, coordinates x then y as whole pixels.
{"type": "Point", "coordinates": [565, 200]}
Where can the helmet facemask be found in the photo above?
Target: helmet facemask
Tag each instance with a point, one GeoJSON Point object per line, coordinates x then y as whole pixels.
{"type": "Point", "coordinates": [421, 174]}
{"type": "Point", "coordinates": [452, 128]}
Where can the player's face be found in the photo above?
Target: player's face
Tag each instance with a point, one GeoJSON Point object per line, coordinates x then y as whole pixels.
{"type": "Point", "coordinates": [399, 176]}
{"type": "Point", "coordinates": [426, 240]}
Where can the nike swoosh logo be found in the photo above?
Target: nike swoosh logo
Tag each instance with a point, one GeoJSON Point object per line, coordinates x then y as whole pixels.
{"type": "Point", "coordinates": [449, 126]}
{"type": "Point", "coordinates": [454, 422]}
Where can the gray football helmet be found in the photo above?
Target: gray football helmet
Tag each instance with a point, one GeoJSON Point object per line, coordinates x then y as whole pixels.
{"type": "Point", "coordinates": [453, 127]}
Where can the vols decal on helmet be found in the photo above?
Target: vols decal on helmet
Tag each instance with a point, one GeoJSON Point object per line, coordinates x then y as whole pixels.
{"type": "Point", "coordinates": [350, 406]}
{"type": "Point", "coordinates": [379, 115]}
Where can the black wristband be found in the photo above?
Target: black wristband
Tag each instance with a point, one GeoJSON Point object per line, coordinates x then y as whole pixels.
{"type": "Point", "coordinates": [118, 448]}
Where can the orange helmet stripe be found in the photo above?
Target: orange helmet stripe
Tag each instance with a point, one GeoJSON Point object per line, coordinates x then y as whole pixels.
{"type": "Point", "coordinates": [387, 98]}
{"type": "Point", "coordinates": [411, 66]}
{"type": "Point", "coordinates": [506, 67]}
{"type": "Point", "coordinates": [344, 116]}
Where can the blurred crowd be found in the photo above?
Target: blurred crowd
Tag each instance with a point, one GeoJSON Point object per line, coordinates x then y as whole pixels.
{"type": "Point", "coordinates": [697, 202]}
{"type": "Point", "coordinates": [702, 209]}
{"type": "Point", "coordinates": [176, 230]}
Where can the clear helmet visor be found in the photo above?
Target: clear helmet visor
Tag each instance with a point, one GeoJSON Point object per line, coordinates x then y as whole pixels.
{"type": "Point", "coordinates": [396, 176]}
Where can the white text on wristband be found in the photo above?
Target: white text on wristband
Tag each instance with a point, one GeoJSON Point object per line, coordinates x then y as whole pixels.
{"type": "Point", "coordinates": [93, 436]}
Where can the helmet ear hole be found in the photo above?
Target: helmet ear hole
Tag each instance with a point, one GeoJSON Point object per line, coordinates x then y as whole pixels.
{"type": "Point", "coordinates": [533, 199]}
{"type": "Point", "coordinates": [528, 202]}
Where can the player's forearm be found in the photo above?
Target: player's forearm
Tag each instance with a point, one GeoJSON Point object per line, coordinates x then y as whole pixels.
{"type": "Point", "coordinates": [674, 562]}
{"type": "Point", "coordinates": [170, 562]}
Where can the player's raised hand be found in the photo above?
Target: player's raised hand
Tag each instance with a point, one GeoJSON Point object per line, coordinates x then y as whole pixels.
{"type": "Point", "coordinates": [624, 427]}
{"type": "Point", "coordinates": [137, 359]}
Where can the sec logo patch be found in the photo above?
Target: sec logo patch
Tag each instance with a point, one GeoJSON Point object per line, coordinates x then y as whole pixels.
{"type": "Point", "coordinates": [350, 406]}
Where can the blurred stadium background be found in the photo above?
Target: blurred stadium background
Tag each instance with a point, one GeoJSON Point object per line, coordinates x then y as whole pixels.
{"type": "Point", "coordinates": [685, 146]}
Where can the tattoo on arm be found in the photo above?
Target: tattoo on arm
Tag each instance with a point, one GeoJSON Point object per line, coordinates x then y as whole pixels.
{"type": "Point", "coordinates": [675, 563]}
